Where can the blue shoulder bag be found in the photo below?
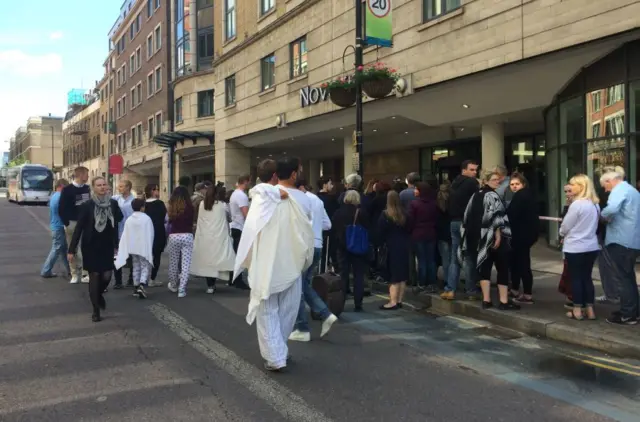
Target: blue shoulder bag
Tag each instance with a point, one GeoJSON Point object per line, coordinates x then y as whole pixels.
{"type": "Point", "coordinates": [357, 238]}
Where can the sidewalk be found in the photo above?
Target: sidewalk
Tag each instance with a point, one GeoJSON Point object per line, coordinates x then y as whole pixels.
{"type": "Point", "coordinates": [546, 318]}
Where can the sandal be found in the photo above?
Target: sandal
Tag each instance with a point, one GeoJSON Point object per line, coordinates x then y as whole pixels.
{"type": "Point", "coordinates": [571, 315]}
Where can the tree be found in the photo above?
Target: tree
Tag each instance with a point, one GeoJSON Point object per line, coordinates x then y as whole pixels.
{"type": "Point", "coordinates": [18, 161]}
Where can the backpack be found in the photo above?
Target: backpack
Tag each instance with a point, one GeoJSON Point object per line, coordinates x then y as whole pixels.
{"type": "Point", "coordinates": [357, 238]}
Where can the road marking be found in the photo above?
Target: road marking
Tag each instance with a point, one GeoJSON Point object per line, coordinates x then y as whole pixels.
{"type": "Point", "coordinates": [35, 217]}
{"type": "Point", "coordinates": [602, 365]}
{"type": "Point", "coordinates": [608, 360]}
{"type": "Point", "coordinates": [40, 404]}
{"type": "Point", "coordinates": [283, 400]}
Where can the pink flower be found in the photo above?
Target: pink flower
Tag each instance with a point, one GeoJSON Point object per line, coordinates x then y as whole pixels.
{"type": "Point", "coordinates": [360, 67]}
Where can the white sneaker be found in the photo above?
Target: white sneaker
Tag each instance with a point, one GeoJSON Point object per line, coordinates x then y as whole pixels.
{"type": "Point", "coordinates": [74, 280]}
{"type": "Point", "coordinates": [85, 279]}
{"type": "Point", "coordinates": [211, 291]}
{"type": "Point", "coordinates": [298, 335]}
{"type": "Point", "coordinates": [172, 287]}
{"type": "Point", "coordinates": [327, 323]}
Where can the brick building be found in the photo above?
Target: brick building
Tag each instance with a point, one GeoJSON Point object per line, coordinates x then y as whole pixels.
{"type": "Point", "coordinates": [39, 142]}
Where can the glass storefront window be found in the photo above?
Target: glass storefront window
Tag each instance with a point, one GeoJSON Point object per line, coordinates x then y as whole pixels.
{"type": "Point", "coordinates": [554, 186]}
{"type": "Point", "coordinates": [571, 118]}
{"type": "Point", "coordinates": [634, 106]}
{"type": "Point", "coordinates": [552, 127]}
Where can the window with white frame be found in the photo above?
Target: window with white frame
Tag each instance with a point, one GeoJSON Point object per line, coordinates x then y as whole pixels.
{"type": "Point", "coordinates": [150, 127]}
{"type": "Point", "coordinates": [434, 8]}
{"type": "Point", "coordinates": [266, 6]}
{"type": "Point", "coordinates": [132, 64]}
{"type": "Point", "coordinates": [124, 104]}
{"type": "Point", "coordinates": [158, 77]}
{"type": "Point", "coordinates": [596, 100]}
{"type": "Point", "coordinates": [139, 92]}
{"type": "Point", "coordinates": [133, 98]}
{"type": "Point", "coordinates": [595, 130]}
{"type": "Point", "coordinates": [230, 90]}
{"type": "Point", "coordinates": [157, 35]}
{"type": "Point", "coordinates": [268, 72]}
{"type": "Point", "coordinates": [139, 133]}
{"type": "Point", "coordinates": [149, 45]}
{"type": "Point", "coordinates": [205, 103]}
{"type": "Point", "coordinates": [614, 124]}
{"type": "Point", "coordinates": [158, 123]}
{"type": "Point", "coordinates": [138, 58]}
{"type": "Point", "coordinates": [150, 85]}
{"type": "Point", "coordinates": [615, 94]}
{"type": "Point", "coordinates": [229, 19]}
{"type": "Point", "coordinates": [134, 137]}
{"type": "Point", "coordinates": [150, 8]}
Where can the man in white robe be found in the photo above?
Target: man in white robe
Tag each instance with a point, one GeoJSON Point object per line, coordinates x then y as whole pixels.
{"type": "Point", "coordinates": [276, 247]}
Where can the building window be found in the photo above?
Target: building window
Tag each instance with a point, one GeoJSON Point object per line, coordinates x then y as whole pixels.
{"type": "Point", "coordinates": [183, 53]}
{"type": "Point", "coordinates": [205, 103]}
{"type": "Point", "coordinates": [434, 8]}
{"type": "Point", "coordinates": [595, 130]}
{"type": "Point", "coordinates": [150, 84]}
{"type": "Point", "coordinates": [158, 79]}
{"type": "Point", "coordinates": [268, 71]}
{"type": "Point", "coordinates": [596, 100]}
{"type": "Point", "coordinates": [157, 4]}
{"type": "Point", "coordinates": [139, 92]}
{"type": "Point", "coordinates": [298, 57]}
{"type": "Point", "coordinates": [150, 8]}
{"type": "Point", "coordinates": [205, 48]}
{"type": "Point", "coordinates": [149, 45]}
{"type": "Point", "coordinates": [150, 127]}
{"type": "Point", "coordinates": [158, 38]}
{"type": "Point", "coordinates": [139, 133]}
{"type": "Point", "coordinates": [158, 123]}
{"type": "Point", "coordinates": [133, 137]}
{"type": "Point", "coordinates": [230, 90]}
{"type": "Point", "coordinates": [118, 109]}
{"type": "Point", "coordinates": [178, 110]}
{"type": "Point", "coordinates": [132, 64]}
{"type": "Point", "coordinates": [133, 98]}
{"type": "Point", "coordinates": [138, 58]}
{"type": "Point", "coordinates": [266, 6]}
{"type": "Point", "coordinates": [229, 19]}
{"type": "Point", "coordinates": [615, 94]}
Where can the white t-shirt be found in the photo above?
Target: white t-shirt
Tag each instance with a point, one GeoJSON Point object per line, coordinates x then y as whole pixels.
{"type": "Point", "coordinates": [238, 200]}
{"type": "Point", "coordinates": [320, 220]}
{"type": "Point", "coordinates": [302, 200]}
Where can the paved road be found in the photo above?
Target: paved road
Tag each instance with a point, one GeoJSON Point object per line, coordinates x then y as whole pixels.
{"type": "Point", "coordinates": [195, 359]}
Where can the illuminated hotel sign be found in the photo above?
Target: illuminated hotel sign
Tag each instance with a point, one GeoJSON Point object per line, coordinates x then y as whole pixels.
{"type": "Point", "coordinates": [310, 96]}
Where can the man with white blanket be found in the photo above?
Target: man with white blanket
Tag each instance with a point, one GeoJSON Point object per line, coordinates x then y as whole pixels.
{"type": "Point", "coordinates": [276, 247]}
{"type": "Point", "coordinates": [137, 241]}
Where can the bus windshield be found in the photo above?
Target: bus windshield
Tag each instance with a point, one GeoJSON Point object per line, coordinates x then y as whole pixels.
{"type": "Point", "coordinates": [40, 180]}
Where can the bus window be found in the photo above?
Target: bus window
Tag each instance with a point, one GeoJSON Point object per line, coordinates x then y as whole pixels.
{"type": "Point", "coordinates": [37, 180]}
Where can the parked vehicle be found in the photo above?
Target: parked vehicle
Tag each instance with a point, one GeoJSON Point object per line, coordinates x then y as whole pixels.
{"type": "Point", "coordinates": [30, 184]}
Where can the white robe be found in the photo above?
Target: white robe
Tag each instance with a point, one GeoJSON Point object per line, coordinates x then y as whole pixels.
{"type": "Point", "coordinates": [213, 254]}
{"type": "Point", "coordinates": [136, 239]}
{"type": "Point", "coordinates": [276, 245]}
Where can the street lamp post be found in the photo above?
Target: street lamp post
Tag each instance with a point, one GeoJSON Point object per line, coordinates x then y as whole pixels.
{"type": "Point", "coordinates": [358, 64]}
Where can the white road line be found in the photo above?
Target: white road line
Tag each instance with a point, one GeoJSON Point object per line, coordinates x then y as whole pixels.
{"type": "Point", "coordinates": [35, 217]}
{"type": "Point", "coordinates": [283, 400]}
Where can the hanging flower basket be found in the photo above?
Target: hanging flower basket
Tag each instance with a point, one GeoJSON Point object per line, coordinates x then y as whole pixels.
{"type": "Point", "coordinates": [377, 80]}
{"type": "Point", "coordinates": [342, 91]}
{"type": "Point", "coordinates": [343, 97]}
{"type": "Point", "coordinates": [378, 88]}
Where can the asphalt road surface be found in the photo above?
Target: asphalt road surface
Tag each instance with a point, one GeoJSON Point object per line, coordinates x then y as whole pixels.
{"type": "Point", "coordinates": [196, 359]}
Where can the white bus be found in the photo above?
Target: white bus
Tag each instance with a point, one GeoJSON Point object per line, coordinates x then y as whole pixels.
{"type": "Point", "coordinates": [29, 184]}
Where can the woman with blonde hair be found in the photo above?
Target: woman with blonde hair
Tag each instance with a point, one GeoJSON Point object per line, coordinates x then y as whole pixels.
{"type": "Point", "coordinates": [580, 244]}
{"type": "Point", "coordinates": [394, 234]}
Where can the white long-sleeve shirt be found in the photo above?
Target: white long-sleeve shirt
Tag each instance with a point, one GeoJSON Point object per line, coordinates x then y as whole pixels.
{"type": "Point", "coordinates": [319, 220]}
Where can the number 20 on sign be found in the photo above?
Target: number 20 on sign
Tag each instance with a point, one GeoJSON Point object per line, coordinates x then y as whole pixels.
{"type": "Point", "coordinates": [378, 23]}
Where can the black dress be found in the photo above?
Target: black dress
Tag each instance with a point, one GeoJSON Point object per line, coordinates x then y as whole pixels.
{"type": "Point", "coordinates": [398, 240]}
{"type": "Point", "coordinates": [97, 247]}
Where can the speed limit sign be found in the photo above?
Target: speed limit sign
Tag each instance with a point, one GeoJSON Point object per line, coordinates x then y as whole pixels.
{"type": "Point", "coordinates": [379, 8]}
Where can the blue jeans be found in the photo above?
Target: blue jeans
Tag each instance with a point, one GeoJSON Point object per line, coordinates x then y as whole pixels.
{"type": "Point", "coordinates": [310, 296]}
{"type": "Point", "coordinates": [427, 267]}
{"type": "Point", "coordinates": [444, 248]}
{"type": "Point", "coordinates": [58, 248]}
{"type": "Point", "coordinates": [454, 266]}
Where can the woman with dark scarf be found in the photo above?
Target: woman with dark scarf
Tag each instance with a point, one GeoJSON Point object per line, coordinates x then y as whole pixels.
{"type": "Point", "coordinates": [485, 240]}
{"type": "Point", "coordinates": [157, 211]}
{"type": "Point", "coordinates": [97, 235]}
{"type": "Point", "coordinates": [525, 223]}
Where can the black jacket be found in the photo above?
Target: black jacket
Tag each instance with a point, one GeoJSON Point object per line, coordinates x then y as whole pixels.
{"type": "Point", "coordinates": [462, 189]}
{"type": "Point", "coordinates": [71, 198]}
{"type": "Point", "coordinates": [344, 217]}
{"type": "Point", "coordinates": [85, 227]}
{"type": "Point", "coordinates": [157, 211]}
{"type": "Point", "coordinates": [524, 219]}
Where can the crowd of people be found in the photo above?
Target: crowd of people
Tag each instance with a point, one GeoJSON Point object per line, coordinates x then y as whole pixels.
{"type": "Point", "coordinates": [273, 238]}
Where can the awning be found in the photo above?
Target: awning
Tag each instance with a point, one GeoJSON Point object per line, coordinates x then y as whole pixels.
{"type": "Point", "coordinates": [170, 139]}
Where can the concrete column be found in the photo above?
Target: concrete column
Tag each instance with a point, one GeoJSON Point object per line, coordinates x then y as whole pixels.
{"type": "Point", "coordinates": [348, 155]}
{"type": "Point", "coordinates": [314, 174]}
{"type": "Point", "coordinates": [492, 145]}
{"type": "Point", "coordinates": [231, 161]}
{"type": "Point", "coordinates": [164, 177]}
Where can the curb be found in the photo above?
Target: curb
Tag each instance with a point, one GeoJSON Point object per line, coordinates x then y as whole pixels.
{"type": "Point", "coordinates": [542, 328]}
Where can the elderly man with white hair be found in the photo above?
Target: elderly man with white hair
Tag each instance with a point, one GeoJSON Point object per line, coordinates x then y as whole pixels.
{"type": "Point", "coordinates": [352, 182]}
{"type": "Point", "coordinates": [622, 242]}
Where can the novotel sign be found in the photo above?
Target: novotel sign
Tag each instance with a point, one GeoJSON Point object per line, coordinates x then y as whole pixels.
{"type": "Point", "coordinates": [310, 96]}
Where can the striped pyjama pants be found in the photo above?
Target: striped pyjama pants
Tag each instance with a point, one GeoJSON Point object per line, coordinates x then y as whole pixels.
{"type": "Point", "coordinates": [141, 269]}
{"type": "Point", "coordinates": [180, 248]}
{"type": "Point", "coordinates": [275, 320]}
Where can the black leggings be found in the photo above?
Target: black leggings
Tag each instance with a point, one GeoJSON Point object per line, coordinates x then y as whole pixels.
{"type": "Point", "coordinates": [157, 255]}
{"type": "Point", "coordinates": [521, 269]}
{"type": "Point", "coordinates": [97, 283]}
{"type": "Point", "coordinates": [498, 257]}
{"type": "Point", "coordinates": [236, 235]}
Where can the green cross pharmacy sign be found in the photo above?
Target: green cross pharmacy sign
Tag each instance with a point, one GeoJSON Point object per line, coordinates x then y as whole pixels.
{"type": "Point", "coordinates": [378, 23]}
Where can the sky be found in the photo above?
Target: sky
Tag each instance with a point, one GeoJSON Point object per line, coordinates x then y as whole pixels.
{"type": "Point", "coordinates": [48, 47]}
